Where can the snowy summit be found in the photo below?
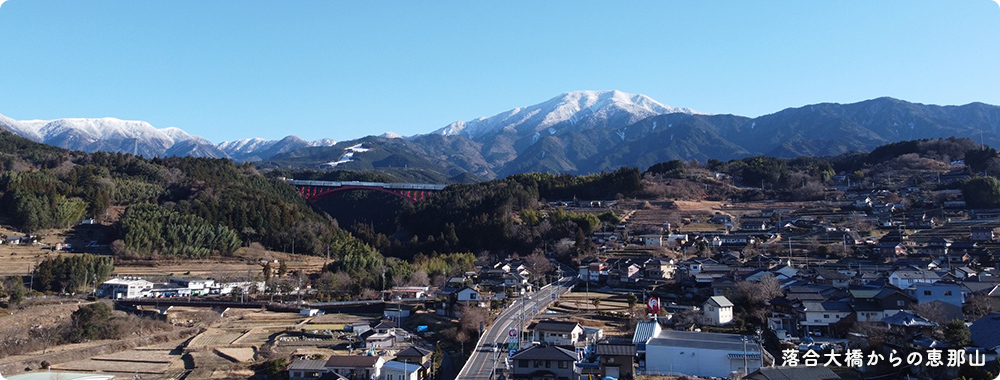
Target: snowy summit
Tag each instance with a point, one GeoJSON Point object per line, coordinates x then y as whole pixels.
{"type": "Point", "coordinates": [579, 109]}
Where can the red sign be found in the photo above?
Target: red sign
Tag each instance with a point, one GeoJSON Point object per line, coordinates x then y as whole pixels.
{"type": "Point", "coordinates": [653, 305]}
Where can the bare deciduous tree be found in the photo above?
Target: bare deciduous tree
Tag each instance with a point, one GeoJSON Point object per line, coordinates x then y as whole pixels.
{"type": "Point", "coordinates": [752, 298]}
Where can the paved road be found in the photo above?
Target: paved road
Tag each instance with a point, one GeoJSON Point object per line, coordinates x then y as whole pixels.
{"type": "Point", "coordinates": [481, 364]}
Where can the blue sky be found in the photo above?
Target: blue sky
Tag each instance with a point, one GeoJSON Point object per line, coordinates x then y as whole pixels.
{"type": "Point", "coordinates": [235, 69]}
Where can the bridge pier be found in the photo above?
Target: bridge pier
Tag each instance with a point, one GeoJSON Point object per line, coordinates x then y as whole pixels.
{"type": "Point", "coordinates": [163, 309]}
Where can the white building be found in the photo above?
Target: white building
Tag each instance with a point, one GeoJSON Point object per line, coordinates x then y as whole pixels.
{"type": "Point", "coordinates": [564, 333]}
{"type": "Point", "coordinates": [467, 294]}
{"type": "Point", "coordinates": [719, 309]}
{"type": "Point", "coordinates": [652, 240]}
{"type": "Point", "coordinates": [394, 370]}
{"type": "Point", "coordinates": [673, 353]}
{"type": "Point", "coordinates": [196, 286]}
{"type": "Point", "coordinates": [125, 287]}
{"type": "Point", "coordinates": [906, 278]}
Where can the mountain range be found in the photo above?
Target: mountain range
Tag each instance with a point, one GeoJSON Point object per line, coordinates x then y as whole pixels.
{"type": "Point", "coordinates": [139, 137]}
{"type": "Point", "coordinates": [576, 132]}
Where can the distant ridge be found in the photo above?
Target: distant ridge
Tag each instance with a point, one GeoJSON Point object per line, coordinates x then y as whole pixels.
{"type": "Point", "coordinates": [139, 137]}
{"type": "Point", "coordinates": [575, 133]}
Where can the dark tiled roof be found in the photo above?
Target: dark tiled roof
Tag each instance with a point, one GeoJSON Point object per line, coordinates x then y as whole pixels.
{"type": "Point", "coordinates": [615, 349]}
{"type": "Point", "coordinates": [906, 319]}
{"type": "Point", "coordinates": [549, 325]}
{"type": "Point", "coordinates": [827, 306]}
{"type": "Point", "coordinates": [986, 331]}
{"type": "Point", "coordinates": [866, 305]}
{"type": "Point", "coordinates": [307, 365]}
{"type": "Point", "coordinates": [352, 361]}
{"type": "Point", "coordinates": [413, 351]}
{"type": "Point", "coordinates": [545, 353]}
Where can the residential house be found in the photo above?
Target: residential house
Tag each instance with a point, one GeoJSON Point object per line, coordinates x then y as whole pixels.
{"type": "Point", "coordinates": [408, 292]}
{"type": "Point", "coordinates": [863, 203]}
{"type": "Point", "coordinates": [737, 239]}
{"type": "Point", "coordinates": [379, 341]}
{"type": "Point", "coordinates": [594, 271]}
{"type": "Point", "coordinates": [659, 268]}
{"type": "Point", "coordinates": [937, 246]}
{"type": "Point", "coordinates": [307, 369]}
{"type": "Point", "coordinates": [985, 332]}
{"type": "Point", "coordinates": [395, 370]}
{"type": "Point", "coordinates": [920, 221]}
{"type": "Point", "coordinates": [353, 367]}
{"type": "Point", "coordinates": [695, 265]}
{"type": "Point", "coordinates": [416, 355]}
{"type": "Point", "coordinates": [20, 239]}
{"type": "Point", "coordinates": [723, 219]}
{"type": "Point", "coordinates": [784, 271]}
{"type": "Point", "coordinates": [718, 309]}
{"type": "Point", "coordinates": [700, 354]}
{"type": "Point", "coordinates": [544, 363]}
{"type": "Point", "coordinates": [906, 278]}
{"type": "Point", "coordinates": [872, 304]}
{"type": "Point", "coordinates": [825, 317]}
{"type": "Point", "coordinates": [679, 239]}
{"type": "Point", "coordinates": [384, 326]}
{"type": "Point", "coordinates": [516, 284]}
{"type": "Point", "coordinates": [560, 333]}
{"type": "Point", "coordinates": [891, 249]}
{"type": "Point", "coordinates": [631, 273]}
{"type": "Point", "coordinates": [617, 360]}
{"type": "Point", "coordinates": [950, 293]}
{"type": "Point", "coordinates": [592, 334]}
{"type": "Point", "coordinates": [451, 298]}
{"type": "Point", "coordinates": [983, 234]}
{"type": "Point", "coordinates": [358, 327]}
{"type": "Point", "coordinates": [652, 240]}
{"type": "Point", "coordinates": [964, 272]}
{"type": "Point", "coordinates": [832, 278]}
{"type": "Point", "coordinates": [753, 225]}
{"type": "Point", "coordinates": [906, 324]}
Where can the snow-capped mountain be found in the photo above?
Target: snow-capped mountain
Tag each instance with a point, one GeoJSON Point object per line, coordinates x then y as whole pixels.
{"type": "Point", "coordinates": [571, 110]}
{"type": "Point", "coordinates": [111, 135]}
{"type": "Point", "coordinates": [391, 135]}
{"type": "Point", "coordinates": [139, 137]}
{"type": "Point", "coordinates": [24, 129]}
{"type": "Point", "coordinates": [256, 149]}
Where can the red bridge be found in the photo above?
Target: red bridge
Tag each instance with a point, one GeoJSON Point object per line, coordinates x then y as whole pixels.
{"type": "Point", "coordinates": [316, 190]}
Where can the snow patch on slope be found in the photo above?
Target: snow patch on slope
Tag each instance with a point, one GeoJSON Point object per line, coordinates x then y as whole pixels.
{"type": "Point", "coordinates": [348, 155]}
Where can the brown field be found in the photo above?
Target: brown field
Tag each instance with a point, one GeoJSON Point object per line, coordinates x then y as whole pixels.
{"type": "Point", "coordinates": [114, 366]}
{"type": "Point", "coordinates": [579, 307]}
{"type": "Point", "coordinates": [215, 338]}
{"type": "Point", "coordinates": [19, 260]}
{"type": "Point", "coordinates": [577, 302]}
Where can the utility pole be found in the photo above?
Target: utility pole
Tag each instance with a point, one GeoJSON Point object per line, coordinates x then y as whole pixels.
{"type": "Point", "coordinates": [746, 368]}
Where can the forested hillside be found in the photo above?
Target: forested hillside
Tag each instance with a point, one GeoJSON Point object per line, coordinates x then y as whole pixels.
{"type": "Point", "coordinates": [178, 206]}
